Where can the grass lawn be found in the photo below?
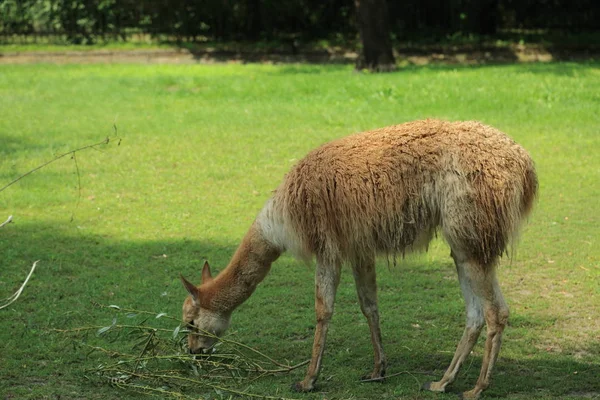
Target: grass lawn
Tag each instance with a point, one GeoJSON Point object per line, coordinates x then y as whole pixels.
{"type": "Point", "coordinates": [201, 148]}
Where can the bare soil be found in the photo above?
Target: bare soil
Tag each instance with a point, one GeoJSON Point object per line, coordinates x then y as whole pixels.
{"type": "Point", "coordinates": [407, 55]}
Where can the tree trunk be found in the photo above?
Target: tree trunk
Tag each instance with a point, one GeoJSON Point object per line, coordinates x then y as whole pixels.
{"type": "Point", "coordinates": [253, 19]}
{"type": "Point", "coordinates": [374, 31]}
{"type": "Point", "coordinates": [483, 17]}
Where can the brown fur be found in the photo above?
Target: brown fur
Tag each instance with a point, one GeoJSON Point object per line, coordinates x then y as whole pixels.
{"type": "Point", "coordinates": [385, 191]}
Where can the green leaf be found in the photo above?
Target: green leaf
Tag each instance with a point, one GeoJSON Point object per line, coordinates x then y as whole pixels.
{"type": "Point", "coordinates": [106, 328]}
{"type": "Point", "coordinates": [176, 331]}
{"type": "Point", "coordinates": [103, 330]}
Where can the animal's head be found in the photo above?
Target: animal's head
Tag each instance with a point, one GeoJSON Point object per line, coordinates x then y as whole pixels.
{"type": "Point", "coordinates": [205, 324]}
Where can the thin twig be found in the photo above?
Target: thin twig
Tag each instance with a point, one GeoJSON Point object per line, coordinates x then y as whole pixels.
{"type": "Point", "coordinates": [132, 310]}
{"type": "Point", "coordinates": [95, 327]}
{"type": "Point", "coordinates": [111, 353]}
{"type": "Point", "coordinates": [187, 357]}
{"type": "Point", "coordinates": [146, 347]}
{"type": "Point", "coordinates": [254, 351]}
{"type": "Point", "coordinates": [225, 389]}
{"type": "Point", "coordinates": [392, 375]}
{"type": "Point", "coordinates": [146, 389]}
{"type": "Point", "coordinates": [196, 382]}
{"type": "Point", "coordinates": [151, 370]}
{"type": "Point", "coordinates": [8, 221]}
{"type": "Point", "coordinates": [74, 158]}
{"type": "Point", "coordinates": [223, 340]}
{"type": "Point", "coordinates": [89, 146]}
{"type": "Point", "coordinates": [16, 295]}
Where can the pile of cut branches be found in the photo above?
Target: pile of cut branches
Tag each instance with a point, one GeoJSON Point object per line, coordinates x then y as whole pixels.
{"type": "Point", "coordinates": [157, 361]}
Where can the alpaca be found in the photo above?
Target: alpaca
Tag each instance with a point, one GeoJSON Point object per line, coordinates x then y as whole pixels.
{"type": "Point", "coordinates": [386, 191]}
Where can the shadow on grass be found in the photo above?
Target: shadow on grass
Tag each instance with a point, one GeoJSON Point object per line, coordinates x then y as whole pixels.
{"type": "Point", "coordinates": [531, 377]}
{"type": "Point", "coordinates": [534, 372]}
{"type": "Point", "coordinates": [570, 69]}
{"type": "Point", "coordinates": [12, 144]}
{"type": "Point", "coordinates": [447, 54]}
{"type": "Point", "coordinates": [78, 268]}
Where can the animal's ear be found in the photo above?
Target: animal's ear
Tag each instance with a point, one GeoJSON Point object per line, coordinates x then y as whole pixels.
{"type": "Point", "coordinates": [206, 276]}
{"type": "Point", "coordinates": [192, 289]}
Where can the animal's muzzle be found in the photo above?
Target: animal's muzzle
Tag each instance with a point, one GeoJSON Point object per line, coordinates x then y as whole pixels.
{"type": "Point", "coordinates": [196, 351]}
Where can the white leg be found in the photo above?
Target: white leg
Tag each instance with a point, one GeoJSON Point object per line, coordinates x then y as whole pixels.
{"type": "Point", "coordinates": [474, 324]}
{"type": "Point", "coordinates": [496, 317]}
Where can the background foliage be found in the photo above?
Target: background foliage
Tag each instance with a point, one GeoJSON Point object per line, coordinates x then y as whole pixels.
{"type": "Point", "coordinates": [87, 21]}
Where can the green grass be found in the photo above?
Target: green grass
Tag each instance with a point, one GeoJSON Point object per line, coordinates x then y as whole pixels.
{"type": "Point", "coordinates": [203, 146]}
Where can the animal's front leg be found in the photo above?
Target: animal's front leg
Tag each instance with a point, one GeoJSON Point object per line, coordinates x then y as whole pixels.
{"type": "Point", "coordinates": [326, 282]}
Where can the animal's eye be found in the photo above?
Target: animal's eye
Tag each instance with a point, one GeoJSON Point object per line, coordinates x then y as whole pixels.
{"type": "Point", "coordinates": [190, 323]}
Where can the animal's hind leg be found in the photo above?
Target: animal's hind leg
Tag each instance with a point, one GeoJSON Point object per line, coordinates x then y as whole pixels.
{"type": "Point", "coordinates": [469, 283]}
{"type": "Point", "coordinates": [366, 287]}
{"type": "Point", "coordinates": [496, 317]}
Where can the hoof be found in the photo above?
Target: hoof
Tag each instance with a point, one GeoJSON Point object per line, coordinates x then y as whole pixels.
{"type": "Point", "coordinates": [432, 387]}
{"type": "Point", "coordinates": [300, 388]}
{"type": "Point", "coordinates": [471, 394]}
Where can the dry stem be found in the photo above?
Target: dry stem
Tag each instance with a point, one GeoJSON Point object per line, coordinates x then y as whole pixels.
{"type": "Point", "coordinates": [16, 295]}
{"type": "Point", "coordinates": [154, 367]}
{"type": "Point", "coordinates": [8, 221]}
{"type": "Point", "coordinates": [71, 152]}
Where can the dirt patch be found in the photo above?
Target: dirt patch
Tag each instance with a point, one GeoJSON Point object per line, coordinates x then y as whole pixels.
{"type": "Point", "coordinates": [406, 55]}
{"type": "Point", "coordinates": [99, 57]}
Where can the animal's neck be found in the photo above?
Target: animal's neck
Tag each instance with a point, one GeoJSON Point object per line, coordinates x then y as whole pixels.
{"type": "Point", "coordinates": [247, 268]}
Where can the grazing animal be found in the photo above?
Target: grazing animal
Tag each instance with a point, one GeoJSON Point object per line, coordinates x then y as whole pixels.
{"type": "Point", "coordinates": [384, 191]}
